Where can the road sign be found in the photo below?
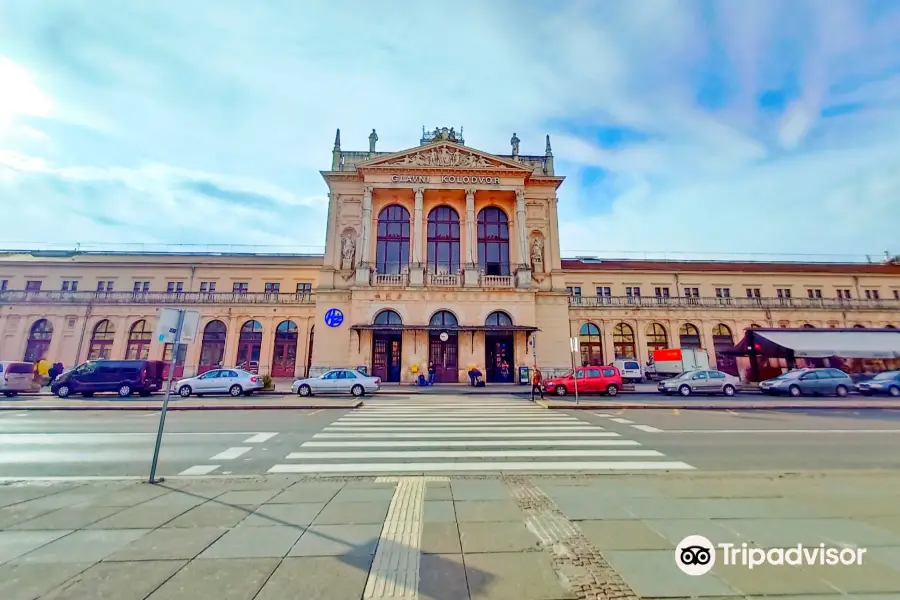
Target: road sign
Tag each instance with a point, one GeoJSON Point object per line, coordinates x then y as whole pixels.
{"type": "Point", "coordinates": [168, 325]}
{"type": "Point", "coordinates": [334, 317]}
{"type": "Point", "coordinates": [573, 345]}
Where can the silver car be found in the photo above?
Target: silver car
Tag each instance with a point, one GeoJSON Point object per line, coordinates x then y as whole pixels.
{"type": "Point", "coordinates": [809, 381]}
{"type": "Point", "coordinates": [883, 383]}
{"type": "Point", "coordinates": [701, 381]}
{"type": "Point", "coordinates": [218, 381]}
{"type": "Point", "coordinates": [337, 381]}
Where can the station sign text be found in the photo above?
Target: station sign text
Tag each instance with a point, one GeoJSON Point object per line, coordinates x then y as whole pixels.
{"type": "Point", "coordinates": [461, 179]}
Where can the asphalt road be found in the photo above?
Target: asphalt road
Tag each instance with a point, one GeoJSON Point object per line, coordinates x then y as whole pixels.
{"type": "Point", "coordinates": [421, 432]}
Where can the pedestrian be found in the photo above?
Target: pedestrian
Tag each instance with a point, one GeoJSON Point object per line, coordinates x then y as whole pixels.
{"type": "Point", "coordinates": [473, 373]}
{"type": "Point", "coordinates": [537, 383]}
{"type": "Point", "coordinates": [431, 373]}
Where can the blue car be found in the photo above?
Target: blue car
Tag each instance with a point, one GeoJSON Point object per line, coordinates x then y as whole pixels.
{"type": "Point", "coordinates": [883, 383]}
{"type": "Point", "coordinates": [809, 382]}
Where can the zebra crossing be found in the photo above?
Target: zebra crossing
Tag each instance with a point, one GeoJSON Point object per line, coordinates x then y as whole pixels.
{"type": "Point", "coordinates": [452, 434]}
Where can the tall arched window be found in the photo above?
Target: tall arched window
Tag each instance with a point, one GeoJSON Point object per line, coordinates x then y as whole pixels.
{"type": "Point", "coordinates": [498, 318]}
{"type": "Point", "coordinates": [212, 348]}
{"type": "Point", "coordinates": [443, 318]}
{"type": "Point", "coordinates": [889, 326]}
{"type": "Point", "coordinates": [139, 341]}
{"type": "Point", "coordinates": [808, 326]}
{"type": "Point", "coordinates": [493, 241]}
{"type": "Point", "coordinates": [388, 317]}
{"type": "Point", "coordinates": [102, 340]}
{"type": "Point", "coordinates": [443, 353]}
{"type": "Point", "coordinates": [392, 241]}
{"type": "Point", "coordinates": [443, 240]}
{"type": "Point", "coordinates": [656, 337]}
{"type": "Point", "coordinates": [723, 340]}
{"type": "Point", "coordinates": [623, 341]}
{"type": "Point", "coordinates": [38, 340]}
{"type": "Point", "coordinates": [858, 326]}
{"type": "Point", "coordinates": [591, 344]}
{"type": "Point", "coordinates": [250, 346]}
{"type": "Point", "coordinates": [689, 336]}
{"type": "Point", "coordinates": [284, 358]}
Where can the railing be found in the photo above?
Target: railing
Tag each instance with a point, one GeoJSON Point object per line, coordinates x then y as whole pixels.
{"type": "Point", "coordinates": [497, 281]}
{"type": "Point", "coordinates": [389, 279]}
{"type": "Point", "coordinates": [48, 297]}
{"type": "Point", "coordinates": [714, 302]}
{"type": "Point", "coordinates": [443, 279]}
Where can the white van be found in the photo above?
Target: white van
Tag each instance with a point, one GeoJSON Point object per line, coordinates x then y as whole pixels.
{"type": "Point", "coordinates": [630, 370]}
{"type": "Point", "coordinates": [16, 377]}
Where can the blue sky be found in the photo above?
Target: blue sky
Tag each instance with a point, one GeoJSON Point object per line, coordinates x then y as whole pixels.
{"type": "Point", "coordinates": [683, 127]}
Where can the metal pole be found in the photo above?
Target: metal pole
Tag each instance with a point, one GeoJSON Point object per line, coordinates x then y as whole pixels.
{"type": "Point", "coordinates": [165, 405]}
{"type": "Point", "coordinates": [574, 371]}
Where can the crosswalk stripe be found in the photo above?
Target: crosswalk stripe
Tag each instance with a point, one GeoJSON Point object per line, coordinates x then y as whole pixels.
{"type": "Point", "coordinates": [479, 434]}
{"type": "Point", "coordinates": [324, 455]}
{"type": "Point", "coordinates": [481, 466]}
{"type": "Point", "coordinates": [441, 428]}
{"type": "Point", "coordinates": [464, 443]}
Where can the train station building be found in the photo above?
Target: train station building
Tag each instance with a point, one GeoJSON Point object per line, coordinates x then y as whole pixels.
{"type": "Point", "coordinates": [438, 253]}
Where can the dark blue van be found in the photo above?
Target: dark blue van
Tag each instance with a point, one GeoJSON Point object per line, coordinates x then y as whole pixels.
{"type": "Point", "coordinates": [125, 377]}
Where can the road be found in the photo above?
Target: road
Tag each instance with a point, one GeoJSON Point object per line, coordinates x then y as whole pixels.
{"type": "Point", "coordinates": [446, 434]}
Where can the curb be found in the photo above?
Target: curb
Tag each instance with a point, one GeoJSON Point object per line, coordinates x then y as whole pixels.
{"type": "Point", "coordinates": [175, 407]}
{"type": "Point", "coordinates": [720, 407]}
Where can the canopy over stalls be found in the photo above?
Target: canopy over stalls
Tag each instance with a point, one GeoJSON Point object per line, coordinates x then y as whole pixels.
{"type": "Point", "coordinates": [819, 343]}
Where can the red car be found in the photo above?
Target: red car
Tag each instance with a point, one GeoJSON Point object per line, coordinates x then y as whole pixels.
{"type": "Point", "coordinates": [591, 380]}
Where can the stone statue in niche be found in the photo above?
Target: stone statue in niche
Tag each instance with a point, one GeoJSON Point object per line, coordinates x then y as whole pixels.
{"type": "Point", "coordinates": [348, 249]}
{"type": "Point", "coordinates": [537, 254]}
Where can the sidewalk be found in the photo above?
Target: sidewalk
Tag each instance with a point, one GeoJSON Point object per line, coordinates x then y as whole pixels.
{"type": "Point", "coordinates": [739, 402]}
{"type": "Point", "coordinates": [255, 402]}
{"type": "Point", "coordinates": [528, 538]}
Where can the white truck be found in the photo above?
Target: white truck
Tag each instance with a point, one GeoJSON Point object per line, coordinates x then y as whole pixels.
{"type": "Point", "coordinates": [672, 362]}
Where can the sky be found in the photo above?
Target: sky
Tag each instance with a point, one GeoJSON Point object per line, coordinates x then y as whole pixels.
{"type": "Point", "coordinates": [704, 128]}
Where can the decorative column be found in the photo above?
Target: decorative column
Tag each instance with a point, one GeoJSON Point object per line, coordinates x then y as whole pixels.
{"type": "Point", "coordinates": [417, 268]}
{"type": "Point", "coordinates": [470, 271]}
{"type": "Point", "coordinates": [363, 268]}
{"type": "Point", "coordinates": [523, 271]}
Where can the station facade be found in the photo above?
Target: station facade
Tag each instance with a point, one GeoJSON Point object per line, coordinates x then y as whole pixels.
{"type": "Point", "coordinates": [440, 254]}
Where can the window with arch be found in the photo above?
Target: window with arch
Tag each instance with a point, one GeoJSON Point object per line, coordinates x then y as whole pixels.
{"type": "Point", "coordinates": [889, 326]}
{"type": "Point", "coordinates": [102, 340]}
{"type": "Point", "coordinates": [591, 344]}
{"type": "Point", "coordinates": [139, 341]}
{"type": "Point", "coordinates": [723, 341]}
{"type": "Point", "coordinates": [623, 341]}
{"type": "Point", "coordinates": [493, 241]}
{"type": "Point", "coordinates": [443, 240]}
{"type": "Point", "coordinates": [39, 337]}
{"type": "Point", "coordinates": [498, 318]}
{"type": "Point", "coordinates": [722, 331]}
{"type": "Point", "coordinates": [249, 346]}
{"type": "Point", "coordinates": [212, 346]}
{"type": "Point", "coordinates": [858, 326]}
{"type": "Point", "coordinates": [808, 326]}
{"type": "Point", "coordinates": [657, 339]}
{"type": "Point", "coordinates": [392, 240]}
{"type": "Point", "coordinates": [689, 336]}
{"type": "Point", "coordinates": [754, 326]}
{"type": "Point", "coordinates": [443, 318]}
{"type": "Point", "coordinates": [284, 356]}
{"type": "Point", "coordinates": [388, 317]}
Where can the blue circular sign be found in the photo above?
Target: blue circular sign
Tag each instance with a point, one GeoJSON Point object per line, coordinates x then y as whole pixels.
{"type": "Point", "coordinates": [334, 317]}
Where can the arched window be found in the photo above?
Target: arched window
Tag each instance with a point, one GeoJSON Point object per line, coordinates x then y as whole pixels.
{"type": "Point", "coordinates": [498, 318]}
{"type": "Point", "coordinates": [808, 326]}
{"type": "Point", "coordinates": [623, 341]}
{"type": "Point", "coordinates": [858, 326]}
{"type": "Point", "coordinates": [889, 326]}
{"type": "Point", "coordinates": [139, 341]}
{"type": "Point", "coordinates": [493, 241]}
{"type": "Point", "coordinates": [443, 318]}
{"type": "Point", "coordinates": [212, 348]}
{"type": "Point", "coordinates": [591, 344]}
{"type": "Point", "coordinates": [656, 337]}
{"type": "Point", "coordinates": [388, 317]}
{"type": "Point", "coordinates": [722, 331]}
{"type": "Point", "coordinates": [392, 241]}
{"type": "Point", "coordinates": [723, 340]}
{"type": "Point", "coordinates": [689, 336]}
{"type": "Point", "coordinates": [250, 346]}
{"type": "Point", "coordinates": [284, 358]}
{"type": "Point", "coordinates": [38, 340]}
{"type": "Point", "coordinates": [102, 340]}
{"type": "Point", "coordinates": [754, 326]}
{"type": "Point", "coordinates": [443, 240]}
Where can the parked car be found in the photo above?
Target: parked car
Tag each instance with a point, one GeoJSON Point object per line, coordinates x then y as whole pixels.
{"type": "Point", "coordinates": [16, 377]}
{"type": "Point", "coordinates": [218, 381]}
{"type": "Point", "coordinates": [630, 369]}
{"type": "Point", "coordinates": [701, 381]}
{"type": "Point", "coordinates": [883, 383]}
{"type": "Point", "coordinates": [122, 376]}
{"type": "Point", "coordinates": [337, 381]}
{"type": "Point", "coordinates": [809, 382]}
{"type": "Point", "coordinates": [590, 380]}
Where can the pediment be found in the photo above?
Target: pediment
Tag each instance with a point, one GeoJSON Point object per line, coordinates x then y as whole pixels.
{"type": "Point", "coordinates": [444, 155]}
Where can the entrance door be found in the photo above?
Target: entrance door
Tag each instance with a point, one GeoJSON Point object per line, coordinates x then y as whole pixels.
{"type": "Point", "coordinates": [499, 360]}
{"type": "Point", "coordinates": [443, 355]}
{"type": "Point", "coordinates": [386, 352]}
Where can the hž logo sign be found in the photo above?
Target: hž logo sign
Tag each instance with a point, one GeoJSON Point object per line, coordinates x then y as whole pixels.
{"type": "Point", "coordinates": [695, 555]}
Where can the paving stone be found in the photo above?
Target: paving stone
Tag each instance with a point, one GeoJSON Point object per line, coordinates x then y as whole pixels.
{"type": "Point", "coordinates": [307, 492]}
{"type": "Point", "coordinates": [86, 545]}
{"type": "Point", "coordinates": [488, 510]}
{"type": "Point", "coordinates": [887, 523]}
{"type": "Point", "coordinates": [436, 491]}
{"type": "Point", "coordinates": [140, 517]}
{"type": "Point", "coordinates": [442, 577]}
{"type": "Point", "coordinates": [504, 536]}
{"type": "Point", "coordinates": [664, 508]}
{"type": "Point", "coordinates": [245, 497]}
{"type": "Point", "coordinates": [614, 490]}
{"type": "Point", "coordinates": [771, 580]}
{"type": "Point", "coordinates": [749, 508]}
{"type": "Point", "coordinates": [27, 581]}
{"type": "Point", "coordinates": [169, 544]}
{"type": "Point", "coordinates": [16, 543]}
{"type": "Point", "coordinates": [439, 511]}
{"type": "Point", "coordinates": [270, 515]}
{"type": "Point", "coordinates": [513, 576]}
{"type": "Point", "coordinates": [440, 538]}
{"type": "Point", "coordinates": [331, 577]}
{"type": "Point", "coordinates": [16, 495]}
{"type": "Point", "coordinates": [254, 542]}
{"type": "Point", "coordinates": [211, 514]}
{"type": "Point", "coordinates": [869, 577]}
{"type": "Point", "coordinates": [654, 574]}
{"type": "Point", "coordinates": [116, 581]}
{"type": "Point", "coordinates": [336, 540]}
{"type": "Point", "coordinates": [231, 579]}
{"type": "Point", "coordinates": [336, 513]}
{"type": "Point", "coordinates": [623, 535]}
{"type": "Point", "coordinates": [175, 498]}
{"type": "Point", "coordinates": [50, 502]}
{"type": "Point", "coordinates": [11, 515]}
{"type": "Point", "coordinates": [782, 533]}
{"type": "Point", "coordinates": [676, 530]}
{"type": "Point", "coordinates": [351, 494]}
{"type": "Point", "coordinates": [69, 518]}
{"type": "Point", "coordinates": [577, 508]}
{"type": "Point", "coordinates": [131, 496]}
{"type": "Point", "coordinates": [479, 490]}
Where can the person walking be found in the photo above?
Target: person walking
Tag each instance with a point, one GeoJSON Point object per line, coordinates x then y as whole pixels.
{"type": "Point", "coordinates": [537, 383]}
